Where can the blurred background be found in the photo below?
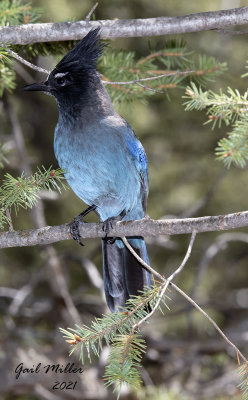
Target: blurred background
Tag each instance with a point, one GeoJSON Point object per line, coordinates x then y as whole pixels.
{"type": "Point", "coordinates": [44, 288]}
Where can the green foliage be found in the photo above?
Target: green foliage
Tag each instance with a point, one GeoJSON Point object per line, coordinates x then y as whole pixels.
{"type": "Point", "coordinates": [4, 55]}
{"type": "Point", "coordinates": [124, 360]}
{"type": "Point", "coordinates": [174, 58]}
{"type": "Point", "coordinates": [7, 75]}
{"type": "Point", "coordinates": [234, 148]}
{"type": "Point", "coordinates": [243, 373]}
{"type": "Point", "coordinates": [15, 12]}
{"type": "Point", "coordinates": [118, 330]}
{"type": "Point", "coordinates": [24, 191]}
{"type": "Point", "coordinates": [221, 107]}
{"type": "Point", "coordinates": [3, 156]}
{"type": "Point", "coordinates": [230, 108]}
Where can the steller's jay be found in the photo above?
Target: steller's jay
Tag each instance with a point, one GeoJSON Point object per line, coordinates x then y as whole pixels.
{"type": "Point", "coordinates": [105, 163]}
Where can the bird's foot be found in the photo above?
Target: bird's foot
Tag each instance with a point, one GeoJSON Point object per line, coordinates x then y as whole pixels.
{"type": "Point", "coordinates": [74, 228]}
{"type": "Point", "coordinates": [108, 225]}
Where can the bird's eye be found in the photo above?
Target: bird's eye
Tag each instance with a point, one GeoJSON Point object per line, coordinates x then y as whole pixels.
{"type": "Point", "coordinates": [61, 81]}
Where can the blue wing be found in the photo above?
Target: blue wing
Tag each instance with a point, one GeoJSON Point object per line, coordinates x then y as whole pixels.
{"type": "Point", "coordinates": [138, 152]}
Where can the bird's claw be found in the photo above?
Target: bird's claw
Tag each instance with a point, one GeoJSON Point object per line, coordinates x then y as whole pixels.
{"type": "Point", "coordinates": [106, 227]}
{"type": "Point", "coordinates": [110, 240]}
{"type": "Point", "coordinates": [74, 230]}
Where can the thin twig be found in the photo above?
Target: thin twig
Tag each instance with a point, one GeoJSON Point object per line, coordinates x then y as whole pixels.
{"type": "Point", "coordinates": [142, 262]}
{"type": "Point", "coordinates": [163, 288]}
{"type": "Point", "coordinates": [165, 285]}
{"type": "Point", "coordinates": [183, 293]}
{"type": "Point", "coordinates": [210, 320]}
{"type": "Point", "coordinates": [11, 228]}
{"type": "Point", "coordinates": [107, 82]}
{"type": "Point", "coordinates": [187, 255]}
{"type": "Point", "coordinates": [23, 61]}
{"type": "Point", "coordinates": [87, 18]}
{"type": "Point", "coordinates": [149, 88]}
{"type": "Point", "coordinates": [151, 78]}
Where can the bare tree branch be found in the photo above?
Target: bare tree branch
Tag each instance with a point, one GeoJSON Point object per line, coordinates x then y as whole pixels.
{"type": "Point", "coordinates": [25, 62]}
{"type": "Point", "coordinates": [48, 32]}
{"type": "Point", "coordinates": [91, 12]}
{"type": "Point", "coordinates": [143, 227]}
{"type": "Point", "coordinates": [150, 78]}
{"type": "Point", "coordinates": [165, 285]}
{"type": "Point", "coordinates": [168, 281]}
{"type": "Point", "coordinates": [210, 320]}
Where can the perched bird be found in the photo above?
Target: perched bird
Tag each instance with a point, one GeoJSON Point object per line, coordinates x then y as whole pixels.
{"type": "Point", "coordinates": [105, 163]}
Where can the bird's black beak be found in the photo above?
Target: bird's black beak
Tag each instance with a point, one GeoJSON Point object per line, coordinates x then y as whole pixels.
{"type": "Point", "coordinates": [41, 87]}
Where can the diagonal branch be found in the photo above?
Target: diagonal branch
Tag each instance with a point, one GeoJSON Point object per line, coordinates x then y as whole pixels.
{"type": "Point", "coordinates": [49, 32]}
{"type": "Point", "coordinates": [23, 61]}
{"type": "Point", "coordinates": [168, 281]}
{"type": "Point", "coordinates": [143, 227]}
{"type": "Point", "coordinates": [210, 320]}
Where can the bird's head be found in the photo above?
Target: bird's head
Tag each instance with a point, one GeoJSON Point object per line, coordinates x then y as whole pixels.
{"type": "Point", "coordinates": [72, 76]}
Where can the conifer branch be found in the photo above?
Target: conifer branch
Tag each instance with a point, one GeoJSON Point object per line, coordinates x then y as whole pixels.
{"type": "Point", "coordinates": [14, 12]}
{"type": "Point", "coordinates": [243, 373]}
{"type": "Point", "coordinates": [25, 62]}
{"type": "Point", "coordinates": [230, 108]}
{"type": "Point", "coordinates": [106, 328]}
{"type": "Point", "coordinates": [23, 192]}
{"type": "Point", "coordinates": [164, 75]}
{"type": "Point", "coordinates": [124, 360]}
{"type": "Point", "coordinates": [220, 106]}
{"type": "Point", "coordinates": [127, 346]}
{"type": "Point", "coordinates": [47, 32]}
{"type": "Point", "coordinates": [123, 70]}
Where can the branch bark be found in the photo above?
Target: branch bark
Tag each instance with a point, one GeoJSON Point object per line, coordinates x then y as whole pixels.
{"type": "Point", "coordinates": [143, 227]}
{"type": "Point", "coordinates": [49, 32]}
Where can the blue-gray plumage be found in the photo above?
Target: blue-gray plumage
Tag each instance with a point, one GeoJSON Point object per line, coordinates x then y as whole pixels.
{"type": "Point", "coordinates": [104, 161]}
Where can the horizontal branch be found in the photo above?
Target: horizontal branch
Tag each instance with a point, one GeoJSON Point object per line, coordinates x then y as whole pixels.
{"type": "Point", "coordinates": [49, 32]}
{"type": "Point", "coordinates": [151, 78]}
{"type": "Point", "coordinates": [143, 227]}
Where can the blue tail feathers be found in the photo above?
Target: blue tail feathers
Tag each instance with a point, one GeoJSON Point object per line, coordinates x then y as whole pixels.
{"type": "Point", "coordinates": [123, 275]}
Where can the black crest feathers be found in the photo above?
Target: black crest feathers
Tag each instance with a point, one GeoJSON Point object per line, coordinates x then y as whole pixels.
{"type": "Point", "coordinates": [84, 55]}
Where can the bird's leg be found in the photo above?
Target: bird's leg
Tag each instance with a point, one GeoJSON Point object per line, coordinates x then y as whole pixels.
{"type": "Point", "coordinates": [107, 226]}
{"type": "Point", "coordinates": [74, 228]}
